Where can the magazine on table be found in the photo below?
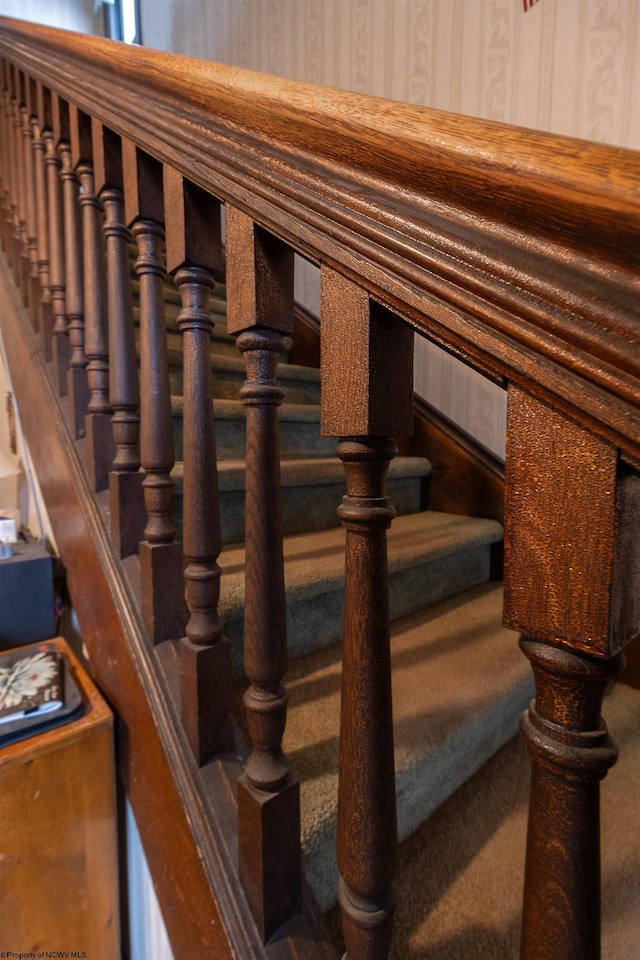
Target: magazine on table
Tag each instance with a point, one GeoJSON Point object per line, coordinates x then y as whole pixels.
{"type": "Point", "coordinates": [31, 682]}
{"type": "Point", "coordinates": [37, 691]}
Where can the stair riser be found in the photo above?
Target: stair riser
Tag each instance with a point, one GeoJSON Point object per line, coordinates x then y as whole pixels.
{"type": "Point", "coordinates": [226, 384]}
{"type": "Point", "coordinates": [304, 508]}
{"type": "Point", "coordinates": [297, 439]}
{"type": "Point", "coordinates": [315, 621]}
{"type": "Point", "coordinates": [173, 300]}
{"type": "Point", "coordinates": [426, 786]}
{"type": "Point", "coordinates": [221, 343]}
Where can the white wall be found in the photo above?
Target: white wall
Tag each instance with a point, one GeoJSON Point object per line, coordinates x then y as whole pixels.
{"type": "Point", "coordinates": [77, 15]}
{"type": "Point", "coordinates": [566, 66]}
{"type": "Point", "coordinates": [148, 938]}
{"type": "Point", "coordinates": [20, 492]}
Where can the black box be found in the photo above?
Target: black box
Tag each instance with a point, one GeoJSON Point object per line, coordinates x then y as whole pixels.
{"type": "Point", "coordinates": [26, 595]}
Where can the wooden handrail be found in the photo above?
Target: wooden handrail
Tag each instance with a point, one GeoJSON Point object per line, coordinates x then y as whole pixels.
{"type": "Point", "coordinates": [515, 250]}
{"type": "Point", "coordinates": [427, 211]}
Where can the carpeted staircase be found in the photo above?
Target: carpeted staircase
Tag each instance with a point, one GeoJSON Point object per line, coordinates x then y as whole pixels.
{"type": "Point", "coordinates": [459, 680]}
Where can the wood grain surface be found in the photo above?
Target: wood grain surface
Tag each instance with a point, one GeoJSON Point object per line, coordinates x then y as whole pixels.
{"type": "Point", "coordinates": [59, 876]}
{"type": "Point", "coordinates": [430, 212]}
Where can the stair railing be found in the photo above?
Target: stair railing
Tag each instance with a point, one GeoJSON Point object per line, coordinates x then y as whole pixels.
{"type": "Point", "coordinates": [515, 250]}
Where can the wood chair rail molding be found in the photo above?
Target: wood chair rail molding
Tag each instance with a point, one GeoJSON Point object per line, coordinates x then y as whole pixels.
{"type": "Point", "coordinates": [516, 250]}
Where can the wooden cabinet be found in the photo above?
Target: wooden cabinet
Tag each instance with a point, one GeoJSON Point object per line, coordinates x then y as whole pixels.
{"type": "Point", "coordinates": [58, 860]}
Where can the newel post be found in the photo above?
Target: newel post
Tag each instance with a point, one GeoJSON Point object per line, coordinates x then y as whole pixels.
{"type": "Point", "coordinates": [162, 589]}
{"type": "Point", "coordinates": [194, 254]}
{"type": "Point", "coordinates": [367, 358]}
{"type": "Point", "coordinates": [572, 588]}
{"type": "Point", "coordinates": [260, 311]}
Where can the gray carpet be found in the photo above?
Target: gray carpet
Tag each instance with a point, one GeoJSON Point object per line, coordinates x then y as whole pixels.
{"type": "Point", "coordinates": [459, 883]}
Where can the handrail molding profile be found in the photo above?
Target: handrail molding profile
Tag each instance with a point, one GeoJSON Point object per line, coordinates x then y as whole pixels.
{"type": "Point", "coordinates": [390, 194]}
{"type": "Point", "coordinates": [517, 251]}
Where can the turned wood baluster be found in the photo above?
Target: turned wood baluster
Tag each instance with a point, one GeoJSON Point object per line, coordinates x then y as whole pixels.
{"type": "Point", "coordinates": [12, 222]}
{"type": "Point", "coordinates": [60, 335]}
{"type": "Point", "coordinates": [22, 272]}
{"type": "Point", "coordinates": [16, 177]}
{"type": "Point", "coordinates": [4, 159]}
{"type": "Point", "coordinates": [156, 449]}
{"type": "Point", "coordinates": [23, 118]}
{"type": "Point", "coordinates": [39, 204]}
{"type": "Point", "coordinates": [163, 606]}
{"type": "Point", "coordinates": [572, 579]}
{"type": "Point", "coordinates": [96, 330]}
{"type": "Point", "coordinates": [33, 291]}
{"type": "Point", "coordinates": [366, 400]}
{"type": "Point", "coordinates": [74, 248]}
{"type": "Point", "coordinates": [194, 252]}
{"type": "Point", "coordinates": [571, 752]}
{"type": "Point", "coordinates": [92, 379]}
{"type": "Point", "coordinates": [45, 308]}
{"type": "Point", "coordinates": [367, 811]}
{"type": "Point", "coordinates": [10, 225]}
{"type": "Point", "coordinates": [128, 516]}
{"type": "Point", "coordinates": [260, 310]}
{"type": "Point", "coordinates": [4, 198]}
{"type": "Point", "coordinates": [21, 268]}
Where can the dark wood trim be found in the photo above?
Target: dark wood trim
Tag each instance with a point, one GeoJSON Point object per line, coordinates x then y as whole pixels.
{"type": "Point", "coordinates": [429, 212]}
{"type": "Point", "coordinates": [305, 350]}
{"type": "Point", "coordinates": [466, 478]}
{"type": "Point", "coordinates": [571, 751]}
{"type": "Point", "coordinates": [631, 672]}
{"type": "Point", "coordinates": [183, 817]}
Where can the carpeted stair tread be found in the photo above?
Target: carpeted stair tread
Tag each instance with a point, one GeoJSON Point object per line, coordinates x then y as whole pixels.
{"type": "Point", "coordinates": [173, 299]}
{"type": "Point", "coordinates": [312, 490]}
{"type": "Point", "coordinates": [172, 310]}
{"type": "Point", "coordinates": [301, 384]}
{"type": "Point", "coordinates": [453, 708]}
{"type": "Point", "coordinates": [299, 429]}
{"type": "Point", "coordinates": [221, 341]}
{"type": "Point", "coordinates": [459, 878]}
{"type": "Point", "coordinates": [431, 556]}
{"type": "Point", "coordinates": [308, 472]}
{"type": "Point", "coordinates": [459, 679]}
{"type": "Point", "coordinates": [290, 371]}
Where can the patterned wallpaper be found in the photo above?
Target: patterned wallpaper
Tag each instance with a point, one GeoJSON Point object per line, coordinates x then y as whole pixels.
{"type": "Point", "coordinates": [567, 66]}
